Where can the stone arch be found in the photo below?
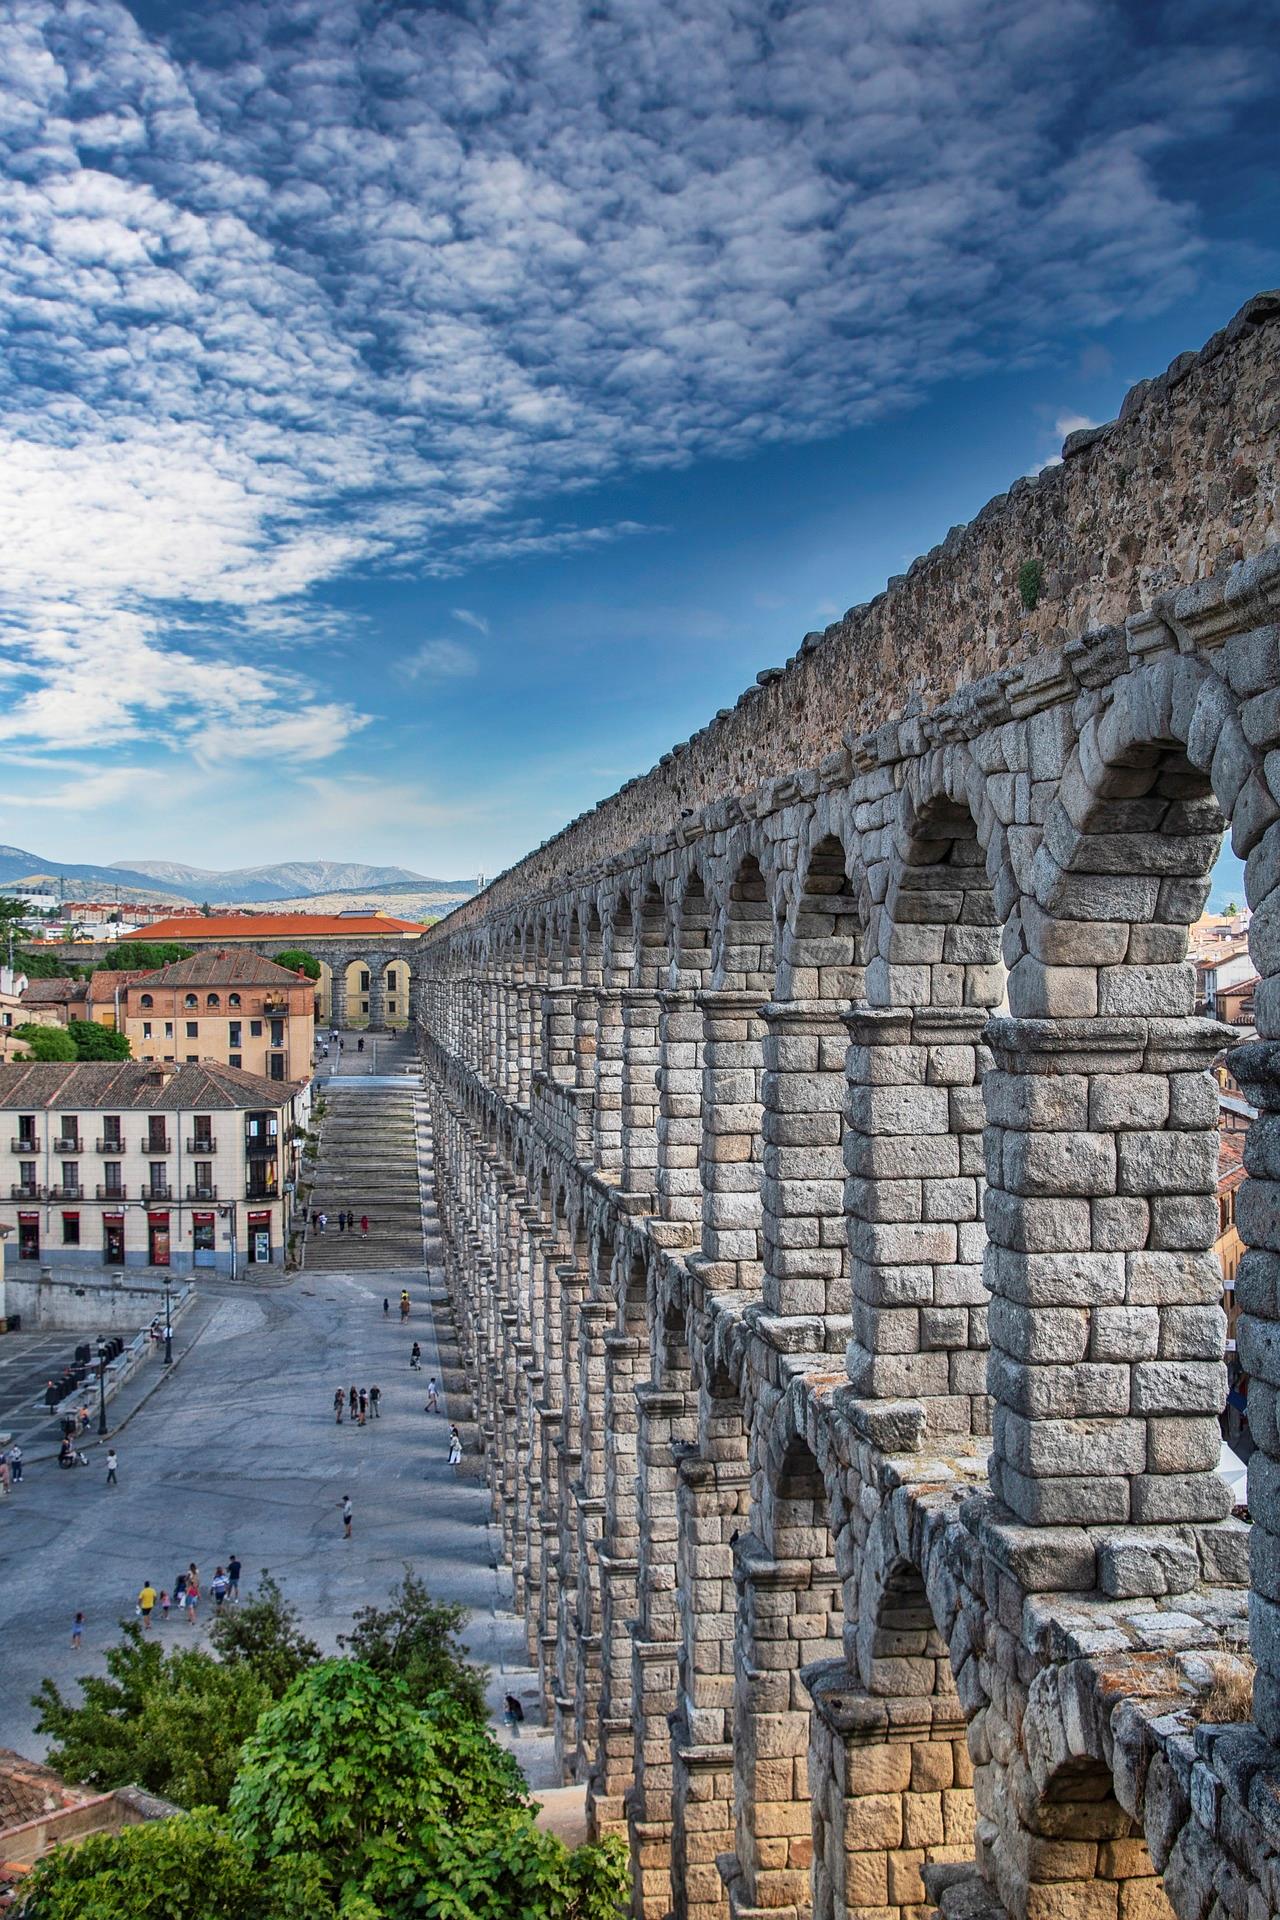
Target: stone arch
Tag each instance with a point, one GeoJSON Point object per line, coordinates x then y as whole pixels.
{"type": "Point", "coordinates": [822, 950]}
{"type": "Point", "coordinates": [732, 1090]}
{"type": "Point", "coordinates": [680, 1057]}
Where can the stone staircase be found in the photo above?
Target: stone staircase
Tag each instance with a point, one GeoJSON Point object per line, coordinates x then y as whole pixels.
{"type": "Point", "coordinates": [368, 1163]}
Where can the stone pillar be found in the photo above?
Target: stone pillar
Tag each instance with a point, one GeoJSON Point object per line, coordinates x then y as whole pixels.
{"type": "Point", "coordinates": [377, 1000]}
{"type": "Point", "coordinates": [338, 997]}
{"type": "Point", "coordinates": [1257, 1068]}
{"type": "Point", "coordinates": [574, 1281]}
{"type": "Point", "coordinates": [806, 1257]}
{"type": "Point", "coordinates": [641, 1054]}
{"type": "Point", "coordinates": [680, 1107]}
{"type": "Point", "coordinates": [914, 1153]}
{"type": "Point", "coordinates": [529, 1040]}
{"type": "Point", "coordinates": [1107, 1332]}
{"type": "Point", "coordinates": [607, 1094]}
{"type": "Point", "coordinates": [731, 1148]}
{"type": "Point", "coordinates": [712, 1503]}
{"type": "Point", "coordinates": [559, 1061]}
{"type": "Point", "coordinates": [614, 1770]}
{"type": "Point", "coordinates": [593, 1319]}
{"type": "Point", "coordinates": [665, 1418]}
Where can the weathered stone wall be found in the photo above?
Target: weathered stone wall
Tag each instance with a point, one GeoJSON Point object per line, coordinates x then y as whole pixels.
{"type": "Point", "coordinates": [827, 1178]}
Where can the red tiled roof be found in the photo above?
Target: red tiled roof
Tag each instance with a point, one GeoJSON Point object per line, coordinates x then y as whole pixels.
{"type": "Point", "coordinates": [213, 966]}
{"type": "Point", "coordinates": [203, 1085]}
{"type": "Point", "coordinates": [274, 926]}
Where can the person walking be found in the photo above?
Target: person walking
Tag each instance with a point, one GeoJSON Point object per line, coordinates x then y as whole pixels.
{"type": "Point", "coordinates": [386, 1307]}
{"type": "Point", "coordinates": [513, 1713]}
{"type": "Point", "coordinates": [364, 1405]}
{"type": "Point", "coordinates": [77, 1629]}
{"type": "Point", "coordinates": [375, 1402]}
{"type": "Point", "coordinates": [112, 1464]}
{"type": "Point", "coordinates": [364, 1226]}
{"type": "Point", "coordinates": [15, 1464]}
{"type": "Point", "coordinates": [322, 1223]}
{"type": "Point", "coordinates": [146, 1604]}
{"type": "Point", "coordinates": [180, 1592]}
{"type": "Point", "coordinates": [404, 1303]}
{"type": "Point", "coordinates": [342, 1221]}
{"type": "Point", "coordinates": [455, 1448]}
{"type": "Point", "coordinates": [218, 1588]}
{"type": "Point", "coordinates": [233, 1577]}
{"type": "Point", "coordinates": [346, 1516]}
{"type": "Point", "coordinates": [415, 1358]}
{"type": "Point", "coordinates": [191, 1596]}
{"type": "Point", "coordinates": [339, 1401]}
{"type": "Point", "coordinates": [164, 1604]}
{"type": "Point", "coordinates": [433, 1397]}
{"type": "Point", "coordinates": [355, 1404]}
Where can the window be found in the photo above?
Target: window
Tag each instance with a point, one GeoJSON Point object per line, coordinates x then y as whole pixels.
{"type": "Point", "coordinates": [146, 1001]}
{"type": "Point", "coordinates": [157, 1133]}
{"type": "Point", "coordinates": [27, 1129]}
{"type": "Point", "coordinates": [212, 1000]}
{"type": "Point", "coordinates": [277, 1033]}
{"type": "Point", "coordinates": [235, 1059]}
{"type": "Point", "coordinates": [27, 1175]}
{"type": "Point", "coordinates": [70, 1176]}
{"type": "Point", "coordinates": [193, 1028]}
{"type": "Point", "coordinates": [111, 1177]}
{"type": "Point", "coordinates": [234, 1030]}
{"type": "Point", "coordinates": [190, 1000]}
{"type": "Point", "coordinates": [69, 1128]}
{"type": "Point", "coordinates": [202, 1126]}
{"type": "Point", "coordinates": [146, 1029]}
{"type": "Point", "coordinates": [168, 1029]}
{"type": "Point", "coordinates": [71, 1229]}
{"type": "Point", "coordinates": [111, 1128]}
{"type": "Point", "coordinates": [275, 1066]}
{"type": "Point", "coordinates": [233, 999]}
{"type": "Point", "coordinates": [204, 1179]}
{"type": "Point", "coordinates": [193, 1059]}
{"type": "Point", "coordinates": [364, 979]}
{"type": "Point", "coordinates": [255, 1029]}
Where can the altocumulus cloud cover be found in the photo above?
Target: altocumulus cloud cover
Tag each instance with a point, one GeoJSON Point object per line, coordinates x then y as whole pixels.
{"type": "Point", "coordinates": [300, 292]}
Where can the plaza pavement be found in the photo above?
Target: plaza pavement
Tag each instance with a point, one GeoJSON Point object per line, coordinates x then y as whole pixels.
{"type": "Point", "coordinates": [237, 1449]}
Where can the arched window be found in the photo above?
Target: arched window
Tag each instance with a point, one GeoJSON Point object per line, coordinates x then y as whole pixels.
{"type": "Point", "coordinates": [212, 1000]}
{"type": "Point", "coordinates": [147, 1001]}
{"type": "Point", "coordinates": [233, 999]}
{"type": "Point", "coordinates": [190, 1000]}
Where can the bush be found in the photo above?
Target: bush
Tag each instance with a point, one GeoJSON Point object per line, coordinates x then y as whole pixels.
{"type": "Point", "coordinates": [416, 1639]}
{"type": "Point", "coordinates": [299, 962]}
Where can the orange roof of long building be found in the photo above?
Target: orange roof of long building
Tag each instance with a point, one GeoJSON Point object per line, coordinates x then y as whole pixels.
{"type": "Point", "coordinates": [273, 926]}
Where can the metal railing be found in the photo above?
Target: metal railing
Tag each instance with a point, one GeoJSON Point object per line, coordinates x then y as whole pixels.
{"type": "Point", "coordinates": [109, 1145]}
{"type": "Point", "coordinates": [112, 1193]}
{"type": "Point", "coordinates": [202, 1193]}
{"type": "Point", "coordinates": [155, 1143]}
{"type": "Point", "coordinates": [72, 1144]}
{"type": "Point", "coordinates": [26, 1193]}
{"type": "Point", "coordinates": [65, 1192]}
{"type": "Point", "coordinates": [162, 1192]}
{"type": "Point", "coordinates": [200, 1145]}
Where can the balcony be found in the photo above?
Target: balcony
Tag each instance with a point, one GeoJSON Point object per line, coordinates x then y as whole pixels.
{"type": "Point", "coordinates": [255, 1190]}
{"type": "Point", "coordinates": [275, 1003]}
{"type": "Point", "coordinates": [73, 1144]}
{"type": "Point", "coordinates": [202, 1145]}
{"type": "Point", "coordinates": [24, 1145]}
{"type": "Point", "coordinates": [26, 1193]}
{"type": "Point", "coordinates": [65, 1192]}
{"type": "Point", "coordinates": [202, 1193]}
{"type": "Point", "coordinates": [155, 1143]}
{"type": "Point", "coordinates": [112, 1144]}
{"type": "Point", "coordinates": [112, 1193]}
{"type": "Point", "coordinates": [162, 1192]}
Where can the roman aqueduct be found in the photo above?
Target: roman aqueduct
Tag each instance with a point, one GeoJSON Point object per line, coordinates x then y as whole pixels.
{"type": "Point", "coordinates": [826, 1157]}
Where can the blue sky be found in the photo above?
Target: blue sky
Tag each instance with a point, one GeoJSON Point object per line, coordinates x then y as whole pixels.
{"type": "Point", "coordinates": [417, 417]}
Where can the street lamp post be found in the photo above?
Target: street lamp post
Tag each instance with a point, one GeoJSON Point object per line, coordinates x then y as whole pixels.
{"type": "Point", "coordinates": [168, 1326]}
{"type": "Point", "coordinates": [102, 1389]}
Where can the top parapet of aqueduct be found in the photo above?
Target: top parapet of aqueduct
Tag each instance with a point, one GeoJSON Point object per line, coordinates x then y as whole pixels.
{"type": "Point", "coordinates": [1181, 486]}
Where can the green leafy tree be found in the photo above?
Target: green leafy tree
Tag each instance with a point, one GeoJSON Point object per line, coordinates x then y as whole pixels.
{"type": "Point", "coordinates": [263, 1633]}
{"type": "Point", "coordinates": [93, 1041]}
{"type": "Point", "coordinates": [397, 1812]}
{"type": "Point", "coordinates": [145, 954]}
{"type": "Point", "coordinates": [299, 962]}
{"type": "Point", "coordinates": [46, 1043]}
{"type": "Point", "coordinates": [173, 1723]}
{"type": "Point", "coordinates": [189, 1866]}
{"type": "Point", "coordinates": [416, 1638]}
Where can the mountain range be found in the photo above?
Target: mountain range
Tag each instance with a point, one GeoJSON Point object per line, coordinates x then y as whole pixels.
{"type": "Point", "coordinates": [171, 881]}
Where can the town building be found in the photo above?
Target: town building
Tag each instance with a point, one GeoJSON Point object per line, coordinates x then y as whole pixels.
{"type": "Point", "coordinates": [12, 987]}
{"type": "Point", "coordinates": [233, 1007]}
{"type": "Point", "coordinates": [366, 958]}
{"type": "Point", "coordinates": [147, 1164]}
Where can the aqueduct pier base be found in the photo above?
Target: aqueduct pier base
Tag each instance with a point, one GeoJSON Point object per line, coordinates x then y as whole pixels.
{"type": "Point", "coordinates": [826, 1157]}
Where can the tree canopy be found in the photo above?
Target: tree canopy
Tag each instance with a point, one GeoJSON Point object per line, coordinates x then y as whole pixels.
{"type": "Point", "coordinates": [416, 1638]}
{"type": "Point", "coordinates": [143, 953]}
{"type": "Point", "coordinates": [45, 1043]}
{"type": "Point", "coordinates": [93, 1041]}
{"type": "Point", "coordinates": [299, 961]}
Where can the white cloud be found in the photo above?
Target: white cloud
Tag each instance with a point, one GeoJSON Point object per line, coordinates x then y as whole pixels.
{"type": "Point", "coordinates": [291, 290]}
{"type": "Point", "coordinates": [439, 660]}
{"type": "Point", "coordinates": [470, 619]}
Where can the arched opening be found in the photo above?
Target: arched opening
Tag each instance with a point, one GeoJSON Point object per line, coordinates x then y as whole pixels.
{"type": "Point", "coordinates": [395, 994]}
{"type": "Point", "coordinates": [733, 1035]}
{"type": "Point", "coordinates": [1107, 1173]}
{"type": "Point", "coordinates": [1075, 1852]}
{"type": "Point", "coordinates": [617, 966]}
{"type": "Point", "coordinates": [916, 1152]}
{"type": "Point", "coordinates": [357, 979]}
{"type": "Point", "coordinates": [805, 1235]}
{"type": "Point", "coordinates": [680, 1063]}
{"type": "Point", "coordinates": [640, 1027]}
{"type": "Point", "coordinates": [790, 1617]}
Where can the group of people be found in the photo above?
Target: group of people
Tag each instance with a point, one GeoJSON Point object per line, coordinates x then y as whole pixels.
{"type": "Point", "coordinates": [182, 1598]}
{"type": "Point", "coordinates": [365, 1404]}
{"type": "Point", "coordinates": [347, 1221]}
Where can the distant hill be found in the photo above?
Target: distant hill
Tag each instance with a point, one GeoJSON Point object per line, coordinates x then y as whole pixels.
{"type": "Point", "coordinates": [408, 900]}
{"type": "Point", "coordinates": [171, 883]}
